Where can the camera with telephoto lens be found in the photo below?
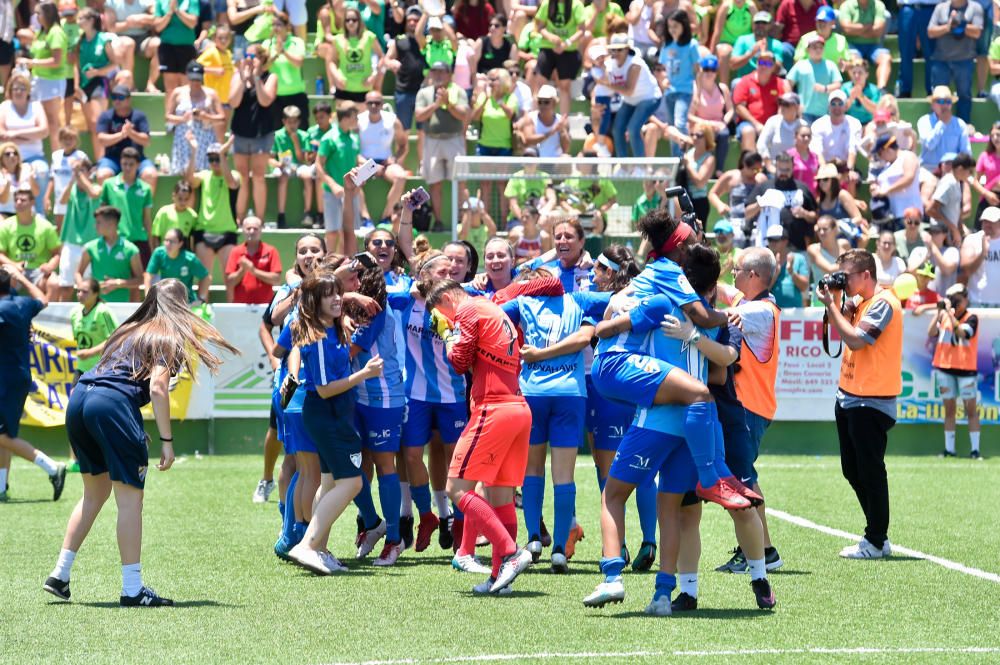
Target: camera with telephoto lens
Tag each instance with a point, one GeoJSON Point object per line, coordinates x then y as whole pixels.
{"type": "Point", "coordinates": [835, 281]}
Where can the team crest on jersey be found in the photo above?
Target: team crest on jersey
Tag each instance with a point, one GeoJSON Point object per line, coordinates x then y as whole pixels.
{"type": "Point", "coordinates": [460, 424]}
{"type": "Point", "coordinates": [356, 460]}
{"type": "Point", "coordinates": [142, 473]}
{"type": "Point", "coordinates": [682, 281]}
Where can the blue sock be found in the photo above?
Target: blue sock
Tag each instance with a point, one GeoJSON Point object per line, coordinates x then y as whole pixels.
{"type": "Point", "coordinates": [532, 495]}
{"type": "Point", "coordinates": [298, 531]}
{"type": "Point", "coordinates": [422, 497]}
{"type": "Point", "coordinates": [645, 501]}
{"type": "Point", "coordinates": [601, 482]}
{"type": "Point", "coordinates": [389, 496]}
{"type": "Point", "coordinates": [612, 567]}
{"type": "Point", "coordinates": [721, 467]}
{"type": "Point", "coordinates": [281, 510]}
{"type": "Point", "coordinates": [700, 436]}
{"type": "Point", "coordinates": [665, 585]}
{"type": "Point", "coordinates": [288, 518]}
{"type": "Point", "coordinates": [365, 504]}
{"type": "Point", "coordinates": [564, 497]}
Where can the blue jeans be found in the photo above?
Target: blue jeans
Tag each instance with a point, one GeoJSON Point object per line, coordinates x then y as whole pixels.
{"type": "Point", "coordinates": [606, 116]}
{"type": "Point", "coordinates": [962, 72]}
{"type": "Point", "coordinates": [632, 118]}
{"type": "Point", "coordinates": [913, 20]}
{"type": "Point", "coordinates": [406, 104]}
{"type": "Point", "coordinates": [721, 149]}
{"type": "Point", "coordinates": [675, 112]}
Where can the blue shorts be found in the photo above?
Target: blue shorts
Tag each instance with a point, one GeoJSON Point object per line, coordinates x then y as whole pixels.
{"type": "Point", "coordinates": [12, 399]}
{"type": "Point", "coordinates": [558, 419]}
{"type": "Point", "coordinates": [105, 431]}
{"type": "Point", "coordinates": [380, 429]}
{"type": "Point", "coordinates": [643, 453]}
{"type": "Point", "coordinates": [331, 422]}
{"type": "Point", "coordinates": [297, 439]}
{"type": "Point", "coordinates": [607, 421]}
{"type": "Point", "coordinates": [743, 445]}
{"type": "Point", "coordinates": [486, 151]}
{"type": "Point", "coordinates": [629, 378]}
{"type": "Point", "coordinates": [420, 418]}
{"type": "Point", "coordinates": [870, 52]}
{"type": "Point", "coordinates": [115, 167]}
{"type": "Point", "coordinates": [742, 127]}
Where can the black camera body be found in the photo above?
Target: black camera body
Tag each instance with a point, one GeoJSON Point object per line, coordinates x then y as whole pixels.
{"type": "Point", "coordinates": [835, 281]}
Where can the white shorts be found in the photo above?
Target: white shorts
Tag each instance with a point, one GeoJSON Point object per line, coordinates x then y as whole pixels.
{"type": "Point", "coordinates": [296, 10]}
{"type": "Point", "coordinates": [439, 158]}
{"type": "Point", "coordinates": [951, 386]}
{"type": "Point", "coordinates": [69, 259]}
{"type": "Point", "coordinates": [333, 212]}
{"type": "Point", "coordinates": [42, 90]}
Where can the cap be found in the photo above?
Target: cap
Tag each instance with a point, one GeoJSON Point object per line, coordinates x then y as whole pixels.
{"type": "Point", "coordinates": [828, 170]}
{"type": "Point", "coordinates": [956, 290]}
{"type": "Point", "coordinates": [942, 92]}
{"type": "Point", "coordinates": [883, 115]}
{"type": "Point", "coordinates": [838, 94]}
{"type": "Point", "coordinates": [547, 92]}
{"type": "Point", "coordinates": [776, 232]}
{"type": "Point", "coordinates": [441, 66]}
{"type": "Point", "coordinates": [709, 63]}
{"type": "Point", "coordinates": [926, 270]}
{"type": "Point", "coordinates": [948, 157]}
{"type": "Point", "coordinates": [68, 8]}
{"type": "Point", "coordinates": [472, 203]}
{"type": "Point", "coordinates": [618, 41]}
{"type": "Point", "coordinates": [885, 142]}
{"type": "Point", "coordinates": [826, 13]}
{"type": "Point", "coordinates": [937, 227]}
{"type": "Point", "coordinates": [195, 71]}
{"type": "Point", "coordinates": [790, 99]}
{"type": "Point", "coordinates": [596, 51]}
{"type": "Point", "coordinates": [214, 148]}
{"type": "Point", "coordinates": [414, 11]}
{"type": "Point", "coordinates": [121, 91]}
{"type": "Point", "coordinates": [762, 17]}
{"type": "Point", "coordinates": [991, 214]}
{"type": "Point", "coordinates": [814, 38]}
{"type": "Point", "coordinates": [723, 226]}
{"type": "Point", "coordinates": [435, 23]}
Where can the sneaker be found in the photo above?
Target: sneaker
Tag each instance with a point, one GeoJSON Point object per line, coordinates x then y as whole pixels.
{"type": "Point", "coordinates": [445, 540]}
{"type": "Point", "coordinates": [57, 588]}
{"type": "Point", "coordinates": [762, 591]}
{"type": "Point", "coordinates": [737, 564]}
{"type": "Point", "coordinates": [457, 527]}
{"type": "Point", "coordinates": [282, 547]}
{"type": "Point", "coordinates": [724, 495]}
{"type": "Point", "coordinates": [428, 523]}
{"type": "Point", "coordinates": [606, 593]}
{"type": "Point", "coordinates": [645, 558]}
{"type": "Point", "coordinates": [975, 455]}
{"type": "Point", "coordinates": [535, 547]}
{"type": "Point", "coordinates": [772, 560]}
{"type": "Point", "coordinates": [390, 553]}
{"type": "Point", "coordinates": [559, 565]}
{"type": "Point", "coordinates": [625, 555]}
{"type": "Point", "coordinates": [4, 498]}
{"type": "Point", "coordinates": [863, 550]}
{"type": "Point", "coordinates": [367, 539]}
{"type": "Point", "coordinates": [74, 467]}
{"type": "Point", "coordinates": [332, 562]}
{"type": "Point", "coordinates": [58, 480]}
{"type": "Point", "coordinates": [575, 536]}
{"type": "Point", "coordinates": [484, 588]}
{"type": "Point", "coordinates": [308, 222]}
{"type": "Point", "coordinates": [546, 537]}
{"type": "Point", "coordinates": [886, 548]}
{"type": "Point", "coordinates": [468, 563]}
{"type": "Point", "coordinates": [512, 566]}
{"type": "Point", "coordinates": [263, 491]}
{"type": "Point", "coordinates": [309, 559]}
{"type": "Point", "coordinates": [684, 602]}
{"type": "Point", "coordinates": [406, 530]}
{"type": "Point", "coordinates": [659, 607]}
{"type": "Point", "coordinates": [738, 485]}
{"type": "Point", "coordinates": [945, 453]}
{"type": "Point", "coordinates": [145, 598]}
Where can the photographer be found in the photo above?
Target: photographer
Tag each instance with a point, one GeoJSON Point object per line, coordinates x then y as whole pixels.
{"type": "Point", "coordinates": [870, 323]}
{"type": "Point", "coordinates": [957, 333]}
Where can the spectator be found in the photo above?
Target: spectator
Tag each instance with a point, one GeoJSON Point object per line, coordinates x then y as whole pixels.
{"type": "Point", "coordinates": [475, 224]}
{"type": "Point", "coordinates": [443, 107]}
{"type": "Point", "coordinates": [887, 264]}
{"type": "Point", "coordinates": [62, 172]}
{"type": "Point", "coordinates": [798, 214]}
{"type": "Point", "coordinates": [134, 199]}
{"type": "Point", "coordinates": [596, 16]}
{"type": "Point", "coordinates": [727, 249]}
{"type": "Point", "coordinates": [938, 251]}
{"type": "Point", "coordinates": [994, 68]}
{"type": "Point", "coordinates": [29, 243]}
{"type": "Point", "coordinates": [472, 18]}
{"type": "Point", "coordinates": [535, 191]}
{"type": "Point", "coordinates": [92, 323]}
{"type": "Point", "coordinates": [939, 131]}
{"type": "Point", "coordinates": [748, 48]}
{"type": "Point", "coordinates": [981, 260]}
{"type": "Point", "coordinates": [286, 53]}
{"type": "Point", "coordinates": [561, 25]}
{"type": "Point", "coordinates": [780, 130]}
{"type": "Point", "coordinates": [495, 47]}
{"type": "Point", "coordinates": [289, 159]}
{"type": "Point", "coordinates": [241, 14]}
{"type": "Point", "coordinates": [733, 21]}
{"type": "Point", "coordinates": [176, 22]}
{"type": "Point", "coordinates": [192, 107]}
{"type": "Point", "coordinates": [899, 182]}
{"type": "Point", "coordinates": [97, 61]}
{"type": "Point", "coordinates": [356, 61]}
{"type": "Point", "coordinates": [177, 215]}
{"type": "Point", "coordinates": [791, 280]}
{"type": "Point", "coordinates": [712, 105]}
{"type": "Point", "coordinates": [955, 26]}
{"type": "Point", "coordinates": [217, 60]}
{"type": "Point", "coordinates": [14, 176]}
{"type": "Point", "coordinates": [522, 91]}
{"type": "Point", "coordinates": [679, 54]}
{"type": "Point", "coordinates": [404, 58]}
{"type": "Point", "coordinates": [925, 298]}
{"type": "Point", "coordinates": [864, 24]}
{"type": "Point", "coordinates": [795, 19]}
{"type": "Point", "coordinates": [78, 224]}
{"type": "Point", "coordinates": [814, 79]}
{"type": "Point", "coordinates": [23, 122]}
{"type": "Point", "coordinates": [699, 163]}
{"type": "Point", "coordinates": [756, 99]}
{"type": "Point", "coordinates": [823, 253]}
{"type": "Point", "coordinates": [251, 96]}
{"type": "Point", "coordinates": [49, 50]}
{"type": "Point", "coordinates": [543, 128]}
{"type": "Point", "coordinates": [641, 18]}
{"type": "Point", "coordinates": [495, 108]}
{"type": "Point", "coordinates": [122, 127]}
{"type": "Point", "coordinates": [835, 49]}
{"type": "Point", "coordinates": [909, 237]}
{"type": "Point", "coordinates": [172, 259]}
{"type": "Point", "coordinates": [132, 23]}
{"type": "Point", "coordinates": [529, 240]}
{"type": "Point", "coordinates": [837, 135]}
{"type": "Point", "coordinates": [946, 204]}
{"type": "Point", "coordinates": [113, 261]}
{"type": "Point", "coordinates": [988, 171]}
{"type": "Point", "coordinates": [628, 75]}
{"type": "Point", "coordinates": [834, 201]}
{"type": "Point", "coordinates": [914, 18]}
{"type": "Point", "coordinates": [806, 161]}
{"type": "Point", "coordinates": [738, 183]}
{"type": "Point", "coordinates": [862, 96]}
{"type": "Point", "coordinates": [214, 233]}
{"type": "Point", "coordinates": [338, 153]}
{"type": "Point", "coordinates": [592, 197]}
{"type": "Point", "coordinates": [253, 268]}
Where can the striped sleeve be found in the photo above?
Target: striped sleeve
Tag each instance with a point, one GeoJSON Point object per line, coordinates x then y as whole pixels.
{"type": "Point", "coordinates": [874, 321]}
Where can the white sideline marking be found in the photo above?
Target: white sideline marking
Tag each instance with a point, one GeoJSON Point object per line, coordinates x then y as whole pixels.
{"type": "Point", "coordinates": [946, 563]}
{"type": "Point", "coordinates": [660, 654]}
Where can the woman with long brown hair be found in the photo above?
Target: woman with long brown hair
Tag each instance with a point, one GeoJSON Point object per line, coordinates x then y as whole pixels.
{"type": "Point", "coordinates": [163, 338]}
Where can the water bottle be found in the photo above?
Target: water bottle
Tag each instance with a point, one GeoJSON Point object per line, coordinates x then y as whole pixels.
{"type": "Point", "coordinates": [320, 90]}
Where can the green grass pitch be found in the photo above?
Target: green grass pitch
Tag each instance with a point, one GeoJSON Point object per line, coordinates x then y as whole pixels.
{"type": "Point", "coordinates": [209, 548]}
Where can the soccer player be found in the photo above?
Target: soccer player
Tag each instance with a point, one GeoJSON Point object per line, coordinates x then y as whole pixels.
{"type": "Point", "coordinates": [161, 339]}
{"type": "Point", "coordinates": [493, 448]}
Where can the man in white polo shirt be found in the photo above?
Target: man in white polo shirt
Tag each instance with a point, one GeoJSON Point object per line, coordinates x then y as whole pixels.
{"type": "Point", "coordinates": [981, 261]}
{"type": "Point", "coordinates": [384, 140]}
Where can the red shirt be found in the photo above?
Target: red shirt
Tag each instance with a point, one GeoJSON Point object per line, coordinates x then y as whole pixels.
{"type": "Point", "coordinates": [796, 20]}
{"type": "Point", "coordinates": [487, 344]}
{"type": "Point", "coordinates": [760, 100]}
{"type": "Point", "coordinates": [250, 290]}
{"type": "Point", "coordinates": [925, 297]}
{"type": "Point", "coordinates": [473, 22]}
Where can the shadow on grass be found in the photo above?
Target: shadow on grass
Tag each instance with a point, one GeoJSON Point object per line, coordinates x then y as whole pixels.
{"type": "Point", "coordinates": [493, 596]}
{"type": "Point", "coordinates": [178, 604]}
{"type": "Point", "coordinates": [788, 572]}
{"type": "Point", "coordinates": [706, 613]}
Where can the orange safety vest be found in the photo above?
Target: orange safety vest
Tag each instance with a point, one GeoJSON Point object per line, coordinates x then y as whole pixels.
{"type": "Point", "coordinates": [954, 353]}
{"type": "Point", "coordinates": [875, 370]}
{"type": "Point", "coordinates": [756, 378]}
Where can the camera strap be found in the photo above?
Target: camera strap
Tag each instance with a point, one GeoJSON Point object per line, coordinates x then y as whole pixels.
{"type": "Point", "coordinates": [826, 338]}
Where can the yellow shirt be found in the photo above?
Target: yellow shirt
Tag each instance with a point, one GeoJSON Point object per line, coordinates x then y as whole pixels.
{"type": "Point", "coordinates": [213, 57]}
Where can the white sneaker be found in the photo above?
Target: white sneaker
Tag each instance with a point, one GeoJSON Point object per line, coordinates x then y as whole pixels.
{"type": "Point", "coordinates": [535, 547]}
{"type": "Point", "coordinates": [309, 559]}
{"type": "Point", "coordinates": [367, 540]}
{"type": "Point", "coordinates": [263, 491]}
{"type": "Point", "coordinates": [468, 563]}
{"type": "Point", "coordinates": [863, 550]}
{"type": "Point", "coordinates": [886, 548]}
{"type": "Point", "coordinates": [607, 592]}
{"type": "Point", "coordinates": [390, 554]}
{"type": "Point", "coordinates": [484, 588]}
{"type": "Point", "coordinates": [559, 564]}
{"type": "Point", "coordinates": [513, 565]}
{"type": "Point", "coordinates": [332, 562]}
{"type": "Point", "coordinates": [659, 607]}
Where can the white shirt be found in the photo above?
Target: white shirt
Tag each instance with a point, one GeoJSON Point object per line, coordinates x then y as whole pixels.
{"type": "Point", "coordinates": [941, 282]}
{"type": "Point", "coordinates": [777, 136]}
{"type": "Point", "coordinates": [888, 274]}
{"type": "Point", "coordinates": [836, 141]}
{"type": "Point", "coordinates": [984, 284]}
{"type": "Point", "coordinates": [550, 147]}
{"type": "Point", "coordinates": [522, 93]}
{"type": "Point", "coordinates": [908, 198]}
{"type": "Point", "coordinates": [28, 148]}
{"type": "Point", "coordinates": [376, 138]}
{"type": "Point", "coordinates": [646, 86]}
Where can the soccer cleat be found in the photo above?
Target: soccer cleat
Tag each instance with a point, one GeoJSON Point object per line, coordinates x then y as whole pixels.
{"type": "Point", "coordinates": [772, 560]}
{"type": "Point", "coordinates": [263, 491]}
{"type": "Point", "coordinates": [645, 558]}
{"type": "Point", "coordinates": [535, 547]}
{"type": "Point", "coordinates": [360, 524]}
{"type": "Point", "coordinates": [390, 553]}
{"type": "Point", "coordinates": [309, 559]}
{"type": "Point", "coordinates": [546, 537]}
{"type": "Point", "coordinates": [484, 588]}
{"type": "Point", "coordinates": [57, 588]}
{"type": "Point", "coordinates": [945, 453]}
{"type": "Point", "coordinates": [606, 593]}
{"type": "Point", "coordinates": [659, 607]}
{"type": "Point", "coordinates": [684, 602]}
{"type": "Point", "coordinates": [747, 493]}
{"type": "Point", "coordinates": [406, 530]}
{"type": "Point", "coordinates": [762, 591]}
{"type": "Point", "coordinates": [625, 555]}
{"type": "Point", "coordinates": [332, 562]}
{"type": "Point", "coordinates": [58, 480]}
{"type": "Point", "coordinates": [737, 564]}
{"type": "Point", "coordinates": [575, 535]}
{"type": "Point", "coordinates": [512, 566]}
{"type": "Point", "coordinates": [428, 523]}
{"type": "Point", "coordinates": [559, 564]}
{"type": "Point", "coordinates": [863, 550]}
{"type": "Point", "coordinates": [282, 547]}
{"type": "Point", "coordinates": [445, 539]}
{"type": "Point", "coordinates": [975, 455]}
{"type": "Point", "coordinates": [724, 495]}
{"type": "Point", "coordinates": [468, 563]}
{"type": "Point", "coordinates": [369, 538]}
{"type": "Point", "coordinates": [145, 598]}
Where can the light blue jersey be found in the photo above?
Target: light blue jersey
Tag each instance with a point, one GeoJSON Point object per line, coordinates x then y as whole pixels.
{"type": "Point", "coordinates": [397, 282]}
{"type": "Point", "coordinates": [573, 279]}
{"type": "Point", "coordinates": [429, 375]}
{"type": "Point", "coordinates": [546, 321]}
{"type": "Point", "coordinates": [383, 337]}
{"type": "Point", "coordinates": [664, 276]}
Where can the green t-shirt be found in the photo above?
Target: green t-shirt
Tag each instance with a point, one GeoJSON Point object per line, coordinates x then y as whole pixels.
{"type": "Point", "coordinates": [524, 189]}
{"type": "Point", "coordinates": [186, 267]}
{"type": "Point", "coordinates": [114, 262]}
{"type": "Point", "coordinates": [176, 32]}
{"type": "Point", "coordinates": [78, 226]}
{"type": "Point", "coordinates": [375, 23]}
{"type": "Point", "coordinates": [857, 110]}
{"type": "Point", "coordinates": [215, 215]}
{"type": "Point", "coordinates": [745, 45]}
{"type": "Point", "coordinates": [169, 217]}
{"type": "Point", "coordinates": [93, 53]}
{"type": "Point", "coordinates": [562, 26]}
{"type": "Point", "coordinates": [290, 80]}
{"type": "Point", "coordinates": [438, 52]}
{"type": "Point", "coordinates": [728, 259]}
{"type": "Point", "coordinates": [530, 40]}
{"type": "Point", "coordinates": [340, 150]}
{"type": "Point", "coordinates": [592, 192]}
{"type": "Point", "coordinates": [90, 329]}
{"type": "Point", "coordinates": [497, 131]}
{"type": "Point", "coordinates": [43, 46]}
{"type": "Point", "coordinates": [613, 9]}
{"type": "Point", "coordinates": [994, 53]}
{"type": "Point", "coordinates": [315, 134]}
{"type": "Point", "coordinates": [283, 144]}
{"type": "Point", "coordinates": [645, 205]}
{"type": "Point", "coordinates": [31, 244]}
{"type": "Point", "coordinates": [477, 236]}
{"type": "Point", "coordinates": [836, 49]}
{"type": "Point", "coordinates": [853, 12]}
{"type": "Point", "coordinates": [131, 200]}
{"type": "Point", "coordinates": [807, 73]}
{"type": "Point", "coordinates": [354, 58]}
{"type": "Point", "coordinates": [739, 22]}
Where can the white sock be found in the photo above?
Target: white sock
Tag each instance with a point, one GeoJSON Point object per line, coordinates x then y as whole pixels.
{"type": "Point", "coordinates": [443, 503]}
{"type": "Point", "coordinates": [131, 579]}
{"type": "Point", "coordinates": [405, 501]}
{"type": "Point", "coordinates": [688, 583]}
{"type": "Point", "coordinates": [3, 480]}
{"type": "Point", "coordinates": [65, 562]}
{"type": "Point", "coordinates": [758, 569]}
{"type": "Point", "coordinates": [974, 438]}
{"type": "Point", "coordinates": [47, 464]}
{"type": "Point", "coordinates": [949, 441]}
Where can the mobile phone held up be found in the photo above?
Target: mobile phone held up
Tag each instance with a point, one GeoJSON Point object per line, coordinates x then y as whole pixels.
{"type": "Point", "coordinates": [417, 198]}
{"type": "Point", "coordinates": [365, 172]}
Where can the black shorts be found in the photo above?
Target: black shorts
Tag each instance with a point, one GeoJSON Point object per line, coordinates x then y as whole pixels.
{"type": "Point", "coordinates": [567, 64]}
{"type": "Point", "coordinates": [105, 431]}
{"type": "Point", "coordinates": [6, 53]}
{"type": "Point", "coordinates": [215, 241]}
{"type": "Point", "coordinates": [96, 88]}
{"type": "Point", "coordinates": [145, 251]}
{"type": "Point", "coordinates": [12, 399]}
{"type": "Point", "coordinates": [174, 58]}
{"type": "Point", "coordinates": [70, 88]}
{"type": "Point", "coordinates": [348, 96]}
{"type": "Point", "coordinates": [330, 424]}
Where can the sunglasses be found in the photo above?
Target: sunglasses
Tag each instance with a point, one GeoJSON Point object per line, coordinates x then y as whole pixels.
{"type": "Point", "coordinates": [19, 88]}
{"type": "Point", "coordinates": [698, 135]}
{"type": "Point", "coordinates": [384, 242]}
{"type": "Point", "coordinates": [707, 70]}
{"type": "Point", "coordinates": [913, 222]}
{"type": "Point", "coordinates": [214, 159]}
{"type": "Point", "coordinates": [946, 101]}
{"type": "Point", "coordinates": [10, 154]}
{"type": "Point", "coordinates": [836, 102]}
{"type": "Point", "coordinates": [495, 25]}
{"type": "Point", "coordinates": [544, 102]}
{"type": "Point", "coordinates": [350, 20]}
{"type": "Point", "coordinates": [765, 63]}
{"type": "Point", "coordinates": [374, 103]}
{"type": "Point", "coordinates": [118, 98]}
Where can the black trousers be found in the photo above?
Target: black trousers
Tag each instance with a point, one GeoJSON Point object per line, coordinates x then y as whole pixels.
{"type": "Point", "coordinates": [863, 433]}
